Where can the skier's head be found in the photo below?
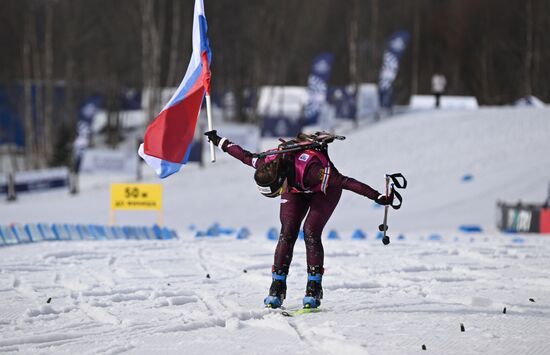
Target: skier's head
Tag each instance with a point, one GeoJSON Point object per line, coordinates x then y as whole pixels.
{"type": "Point", "coordinates": [271, 177]}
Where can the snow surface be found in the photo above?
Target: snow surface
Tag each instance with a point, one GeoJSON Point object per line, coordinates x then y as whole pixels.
{"type": "Point", "coordinates": [204, 296]}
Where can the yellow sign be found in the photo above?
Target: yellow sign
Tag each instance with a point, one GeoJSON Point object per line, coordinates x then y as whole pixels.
{"type": "Point", "coordinates": [136, 197]}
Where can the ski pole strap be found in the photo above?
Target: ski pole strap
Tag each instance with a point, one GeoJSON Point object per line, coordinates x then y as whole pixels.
{"type": "Point", "coordinates": [396, 196]}
{"type": "Point", "coordinates": [395, 179]}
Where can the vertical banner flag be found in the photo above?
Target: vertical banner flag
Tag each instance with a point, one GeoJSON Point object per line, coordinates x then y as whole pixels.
{"type": "Point", "coordinates": [317, 84]}
{"type": "Point", "coordinates": [86, 114]}
{"type": "Point", "coordinates": [168, 139]}
{"type": "Point", "coordinates": [396, 45]}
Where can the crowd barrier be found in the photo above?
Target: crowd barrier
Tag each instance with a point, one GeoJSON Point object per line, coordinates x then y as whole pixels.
{"type": "Point", "coordinates": [523, 218]}
{"type": "Point", "coordinates": [30, 233]}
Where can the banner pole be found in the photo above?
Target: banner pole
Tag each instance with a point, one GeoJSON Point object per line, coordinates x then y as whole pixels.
{"type": "Point", "coordinates": [209, 116]}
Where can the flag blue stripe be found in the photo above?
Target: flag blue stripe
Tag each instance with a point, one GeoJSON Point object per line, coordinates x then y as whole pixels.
{"type": "Point", "coordinates": [185, 89]}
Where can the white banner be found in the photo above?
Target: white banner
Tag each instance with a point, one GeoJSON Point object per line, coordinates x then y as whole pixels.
{"type": "Point", "coordinates": [108, 161]}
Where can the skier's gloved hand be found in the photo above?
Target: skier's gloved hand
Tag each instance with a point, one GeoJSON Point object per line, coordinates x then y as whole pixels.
{"type": "Point", "coordinates": [384, 200]}
{"type": "Point", "coordinates": [213, 137]}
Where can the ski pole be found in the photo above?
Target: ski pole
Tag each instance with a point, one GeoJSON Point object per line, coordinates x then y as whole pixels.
{"type": "Point", "coordinates": [209, 117]}
{"type": "Point", "coordinates": [384, 226]}
{"type": "Point", "coordinates": [391, 194]}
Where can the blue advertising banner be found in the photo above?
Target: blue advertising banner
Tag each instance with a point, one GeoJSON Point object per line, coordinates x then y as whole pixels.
{"type": "Point", "coordinates": [396, 45]}
{"type": "Point", "coordinates": [11, 124]}
{"type": "Point", "coordinates": [317, 86]}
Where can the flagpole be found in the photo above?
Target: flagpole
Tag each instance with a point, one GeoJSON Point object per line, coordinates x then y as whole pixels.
{"type": "Point", "coordinates": [209, 116]}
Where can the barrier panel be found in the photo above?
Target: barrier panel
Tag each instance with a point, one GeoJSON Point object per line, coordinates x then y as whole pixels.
{"type": "Point", "coordinates": [29, 233]}
{"type": "Point", "coordinates": [34, 232]}
{"type": "Point", "coordinates": [523, 218]}
{"type": "Point", "coordinates": [36, 180]}
{"type": "Point", "coordinates": [46, 231]}
{"type": "Point", "coordinates": [21, 233]}
{"type": "Point", "coordinates": [84, 232]}
{"type": "Point", "coordinates": [544, 225]}
{"type": "Point", "coordinates": [61, 233]}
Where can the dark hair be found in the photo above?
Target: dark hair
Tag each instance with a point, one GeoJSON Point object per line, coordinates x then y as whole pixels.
{"type": "Point", "coordinates": [270, 177]}
{"type": "Point", "coordinates": [269, 173]}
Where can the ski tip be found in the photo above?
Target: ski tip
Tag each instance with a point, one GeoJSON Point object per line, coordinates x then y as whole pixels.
{"type": "Point", "coordinates": [268, 305]}
{"type": "Point", "coordinates": [307, 306]}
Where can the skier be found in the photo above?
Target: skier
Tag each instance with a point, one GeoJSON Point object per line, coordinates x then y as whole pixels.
{"type": "Point", "coordinates": [310, 187]}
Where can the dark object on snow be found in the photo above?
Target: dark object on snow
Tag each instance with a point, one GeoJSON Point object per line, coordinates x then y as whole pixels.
{"type": "Point", "coordinates": [504, 310]}
{"type": "Point", "coordinates": [207, 276]}
{"type": "Point", "coordinates": [423, 346]}
{"type": "Point", "coordinates": [470, 228]}
{"type": "Point", "coordinates": [245, 271]}
{"type": "Point", "coordinates": [462, 329]}
{"type": "Point", "coordinates": [532, 300]}
{"type": "Point", "coordinates": [49, 300]}
{"type": "Point", "coordinates": [168, 284]}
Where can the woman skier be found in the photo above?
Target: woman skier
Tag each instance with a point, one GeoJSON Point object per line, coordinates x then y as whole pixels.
{"type": "Point", "coordinates": [310, 187]}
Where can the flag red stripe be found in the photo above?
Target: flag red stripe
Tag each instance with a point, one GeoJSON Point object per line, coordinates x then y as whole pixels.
{"type": "Point", "coordinates": [169, 135]}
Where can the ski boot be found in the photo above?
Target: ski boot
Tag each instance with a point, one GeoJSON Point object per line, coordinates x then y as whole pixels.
{"type": "Point", "coordinates": [277, 291]}
{"type": "Point", "coordinates": [314, 290]}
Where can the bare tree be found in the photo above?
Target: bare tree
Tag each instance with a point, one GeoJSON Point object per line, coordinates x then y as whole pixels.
{"type": "Point", "coordinates": [151, 42]}
{"type": "Point", "coordinates": [528, 90]}
{"type": "Point", "coordinates": [415, 46]}
{"type": "Point", "coordinates": [47, 139]}
{"type": "Point", "coordinates": [175, 38]}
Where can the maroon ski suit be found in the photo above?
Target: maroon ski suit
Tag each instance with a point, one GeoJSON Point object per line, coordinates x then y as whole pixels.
{"type": "Point", "coordinates": [297, 204]}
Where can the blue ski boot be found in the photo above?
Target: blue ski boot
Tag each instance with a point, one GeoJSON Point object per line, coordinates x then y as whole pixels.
{"type": "Point", "coordinates": [277, 291]}
{"type": "Point", "coordinates": [314, 289]}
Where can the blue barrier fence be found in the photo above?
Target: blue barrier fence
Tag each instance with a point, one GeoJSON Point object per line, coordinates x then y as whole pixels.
{"type": "Point", "coordinates": [32, 233]}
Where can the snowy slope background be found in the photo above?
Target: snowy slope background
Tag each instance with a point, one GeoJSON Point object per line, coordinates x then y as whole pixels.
{"type": "Point", "coordinates": [143, 297]}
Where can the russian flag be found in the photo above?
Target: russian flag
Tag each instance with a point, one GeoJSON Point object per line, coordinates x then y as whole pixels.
{"type": "Point", "coordinates": [168, 139]}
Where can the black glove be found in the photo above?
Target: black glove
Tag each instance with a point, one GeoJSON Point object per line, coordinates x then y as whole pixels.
{"type": "Point", "coordinates": [213, 137]}
{"type": "Point", "coordinates": [384, 200]}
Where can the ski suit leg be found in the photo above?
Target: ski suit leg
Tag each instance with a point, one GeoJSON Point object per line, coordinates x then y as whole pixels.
{"type": "Point", "coordinates": [293, 210]}
{"type": "Point", "coordinates": [320, 211]}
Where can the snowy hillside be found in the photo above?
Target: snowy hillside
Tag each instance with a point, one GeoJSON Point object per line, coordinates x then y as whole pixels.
{"type": "Point", "coordinates": [505, 150]}
{"type": "Point", "coordinates": [204, 296]}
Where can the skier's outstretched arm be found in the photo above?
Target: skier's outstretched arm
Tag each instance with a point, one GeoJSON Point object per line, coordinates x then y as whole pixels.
{"type": "Point", "coordinates": [233, 149]}
{"type": "Point", "coordinates": [316, 172]}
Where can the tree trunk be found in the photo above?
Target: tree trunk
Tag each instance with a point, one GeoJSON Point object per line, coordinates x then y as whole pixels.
{"type": "Point", "coordinates": [48, 140]}
{"type": "Point", "coordinates": [151, 37]}
{"type": "Point", "coordinates": [146, 7]}
{"type": "Point", "coordinates": [173, 65]}
{"type": "Point", "coordinates": [374, 39]}
{"type": "Point", "coordinates": [353, 41]}
{"type": "Point", "coordinates": [27, 94]}
{"type": "Point", "coordinates": [38, 102]}
{"type": "Point", "coordinates": [528, 47]}
{"type": "Point", "coordinates": [415, 46]}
